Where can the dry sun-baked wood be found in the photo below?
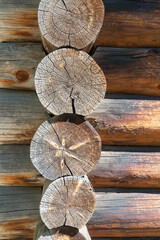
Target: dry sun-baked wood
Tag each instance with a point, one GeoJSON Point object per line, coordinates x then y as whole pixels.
{"type": "Point", "coordinates": [68, 201]}
{"type": "Point", "coordinates": [65, 145]}
{"type": "Point", "coordinates": [67, 23]}
{"type": "Point", "coordinates": [69, 81]}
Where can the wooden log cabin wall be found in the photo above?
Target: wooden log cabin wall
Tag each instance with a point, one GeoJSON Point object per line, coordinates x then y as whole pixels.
{"type": "Point", "coordinates": [127, 176]}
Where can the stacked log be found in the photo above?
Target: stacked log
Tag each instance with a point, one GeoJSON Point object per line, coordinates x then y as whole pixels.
{"type": "Point", "coordinates": [67, 201]}
{"type": "Point", "coordinates": [66, 233]}
{"type": "Point", "coordinates": [119, 122]}
{"type": "Point", "coordinates": [74, 24]}
{"type": "Point", "coordinates": [127, 71]}
{"type": "Point", "coordinates": [65, 145]}
{"type": "Point", "coordinates": [127, 23]}
{"type": "Point", "coordinates": [69, 81]}
{"type": "Point", "coordinates": [70, 84]}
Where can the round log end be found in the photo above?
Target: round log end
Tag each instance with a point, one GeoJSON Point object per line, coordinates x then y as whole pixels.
{"type": "Point", "coordinates": [69, 81]}
{"type": "Point", "coordinates": [62, 233]}
{"type": "Point", "coordinates": [68, 23]}
{"type": "Point", "coordinates": [68, 201]}
{"type": "Point", "coordinates": [65, 145]}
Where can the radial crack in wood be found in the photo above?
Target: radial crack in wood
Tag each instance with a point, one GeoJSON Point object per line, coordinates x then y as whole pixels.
{"type": "Point", "coordinates": [62, 233]}
{"type": "Point", "coordinates": [70, 23]}
{"type": "Point", "coordinates": [69, 81]}
{"type": "Point", "coordinates": [68, 201]}
{"type": "Point", "coordinates": [65, 145]}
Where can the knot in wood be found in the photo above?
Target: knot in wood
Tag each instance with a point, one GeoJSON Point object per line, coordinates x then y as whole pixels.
{"type": "Point", "coordinates": [22, 76]}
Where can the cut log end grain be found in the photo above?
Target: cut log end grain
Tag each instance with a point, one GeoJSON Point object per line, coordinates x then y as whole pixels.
{"type": "Point", "coordinates": [67, 23]}
{"type": "Point", "coordinates": [68, 201]}
{"type": "Point", "coordinates": [69, 81]}
{"type": "Point", "coordinates": [62, 233]}
{"type": "Point", "coordinates": [65, 145]}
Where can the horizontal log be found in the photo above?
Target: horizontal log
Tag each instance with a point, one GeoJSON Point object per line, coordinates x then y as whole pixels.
{"type": "Point", "coordinates": [130, 24]}
{"type": "Point", "coordinates": [126, 24]}
{"type": "Point", "coordinates": [131, 71]}
{"type": "Point", "coordinates": [19, 212]}
{"type": "Point", "coordinates": [116, 168]}
{"type": "Point", "coordinates": [16, 168]}
{"type": "Point", "coordinates": [18, 21]}
{"type": "Point", "coordinates": [18, 64]}
{"type": "Point", "coordinates": [125, 215]}
{"type": "Point", "coordinates": [20, 116]}
{"type": "Point", "coordinates": [127, 122]}
{"type": "Point", "coordinates": [116, 214]}
{"type": "Point", "coordinates": [127, 169]}
{"type": "Point", "coordinates": [118, 121]}
{"type": "Point", "coordinates": [134, 71]}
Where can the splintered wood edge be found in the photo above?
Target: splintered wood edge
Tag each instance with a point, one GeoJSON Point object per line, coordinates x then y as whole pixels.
{"type": "Point", "coordinates": [62, 233]}
{"type": "Point", "coordinates": [68, 23]}
{"type": "Point", "coordinates": [68, 201]}
{"type": "Point", "coordinates": [70, 81]}
{"type": "Point", "coordinates": [65, 145]}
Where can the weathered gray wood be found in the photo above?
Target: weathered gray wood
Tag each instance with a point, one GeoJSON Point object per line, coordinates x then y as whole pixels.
{"type": "Point", "coordinates": [18, 21]}
{"type": "Point", "coordinates": [127, 122]}
{"type": "Point", "coordinates": [66, 233]}
{"type": "Point", "coordinates": [116, 214]}
{"type": "Point", "coordinates": [16, 168]}
{"type": "Point", "coordinates": [18, 64]}
{"type": "Point", "coordinates": [19, 212]}
{"type": "Point", "coordinates": [134, 71]}
{"type": "Point", "coordinates": [127, 23]}
{"type": "Point", "coordinates": [117, 167]}
{"type": "Point", "coordinates": [69, 81]}
{"type": "Point", "coordinates": [65, 145]}
{"type": "Point", "coordinates": [60, 232]}
{"type": "Point", "coordinates": [66, 23]}
{"type": "Point", "coordinates": [20, 116]}
{"type": "Point", "coordinates": [118, 121]}
{"type": "Point", "coordinates": [68, 201]}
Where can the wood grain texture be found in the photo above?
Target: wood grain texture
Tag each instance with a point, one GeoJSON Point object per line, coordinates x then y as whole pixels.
{"type": "Point", "coordinates": [68, 201]}
{"type": "Point", "coordinates": [19, 212]}
{"type": "Point", "coordinates": [116, 168]}
{"type": "Point", "coordinates": [16, 168]}
{"type": "Point", "coordinates": [69, 81]}
{"type": "Point", "coordinates": [70, 24]}
{"type": "Point", "coordinates": [127, 122]}
{"type": "Point", "coordinates": [63, 233]}
{"type": "Point", "coordinates": [20, 116]}
{"type": "Point", "coordinates": [116, 214]}
{"type": "Point", "coordinates": [18, 64]}
{"type": "Point", "coordinates": [118, 121]}
{"type": "Point", "coordinates": [130, 24]}
{"type": "Point", "coordinates": [127, 169]}
{"type": "Point", "coordinates": [127, 23]}
{"type": "Point", "coordinates": [134, 71]}
{"type": "Point", "coordinates": [131, 71]}
{"type": "Point", "coordinates": [125, 215]}
{"type": "Point", "coordinates": [65, 145]}
{"type": "Point", "coordinates": [18, 21]}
